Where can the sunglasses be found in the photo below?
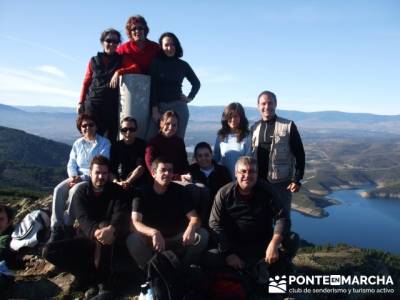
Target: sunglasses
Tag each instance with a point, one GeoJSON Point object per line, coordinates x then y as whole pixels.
{"type": "Point", "coordinates": [126, 129]}
{"type": "Point", "coordinates": [137, 28]}
{"type": "Point", "coordinates": [110, 41]}
{"type": "Point", "coordinates": [88, 125]}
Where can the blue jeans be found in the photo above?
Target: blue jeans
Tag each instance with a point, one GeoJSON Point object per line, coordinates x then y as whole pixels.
{"type": "Point", "coordinates": [62, 197]}
{"type": "Point", "coordinates": [180, 108]}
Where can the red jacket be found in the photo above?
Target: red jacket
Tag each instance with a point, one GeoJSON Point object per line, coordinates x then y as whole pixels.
{"type": "Point", "coordinates": [135, 57]}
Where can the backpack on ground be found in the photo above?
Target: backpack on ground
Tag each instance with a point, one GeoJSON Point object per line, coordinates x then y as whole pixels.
{"type": "Point", "coordinates": [27, 232]}
{"type": "Point", "coordinates": [165, 276]}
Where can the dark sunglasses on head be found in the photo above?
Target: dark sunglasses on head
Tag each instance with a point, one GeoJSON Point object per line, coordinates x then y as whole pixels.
{"type": "Point", "coordinates": [110, 41]}
{"type": "Point", "coordinates": [137, 28]}
{"type": "Point", "coordinates": [88, 125]}
{"type": "Point", "coordinates": [126, 129]}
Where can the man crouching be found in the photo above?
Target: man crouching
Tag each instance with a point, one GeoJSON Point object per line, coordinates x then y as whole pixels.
{"type": "Point", "coordinates": [163, 218]}
{"type": "Point", "coordinates": [250, 224]}
{"type": "Point", "coordinates": [102, 212]}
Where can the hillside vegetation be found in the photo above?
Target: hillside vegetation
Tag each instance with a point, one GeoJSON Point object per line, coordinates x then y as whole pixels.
{"type": "Point", "coordinates": [333, 164]}
{"type": "Point", "coordinates": [29, 164]}
{"type": "Point", "coordinates": [336, 164]}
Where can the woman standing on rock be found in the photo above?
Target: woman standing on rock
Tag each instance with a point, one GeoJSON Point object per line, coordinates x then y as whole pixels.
{"type": "Point", "coordinates": [138, 54]}
{"type": "Point", "coordinates": [167, 74]}
{"type": "Point", "coordinates": [99, 93]}
{"type": "Point", "coordinates": [233, 138]}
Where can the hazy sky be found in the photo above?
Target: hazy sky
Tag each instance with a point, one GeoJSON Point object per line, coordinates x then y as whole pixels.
{"type": "Point", "coordinates": [315, 55]}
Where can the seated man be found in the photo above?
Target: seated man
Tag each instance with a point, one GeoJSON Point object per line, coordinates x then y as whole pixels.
{"type": "Point", "coordinates": [249, 223]}
{"type": "Point", "coordinates": [127, 157]}
{"type": "Point", "coordinates": [164, 218]}
{"type": "Point", "coordinates": [103, 215]}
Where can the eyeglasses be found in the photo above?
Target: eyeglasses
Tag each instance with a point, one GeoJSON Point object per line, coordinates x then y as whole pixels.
{"type": "Point", "coordinates": [248, 172]}
{"type": "Point", "coordinates": [165, 170]}
{"type": "Point", "coordinates": [126, 129]}
{"type": "Point", "coordinates": [139, 28]}
{"type": "Point", "coordinates": [110, 41]}
{"type": "Point", "coordinates": [88, 125]}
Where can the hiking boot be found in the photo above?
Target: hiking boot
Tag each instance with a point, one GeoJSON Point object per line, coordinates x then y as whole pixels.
{"type": "Point", "coordinates": [57, 234]}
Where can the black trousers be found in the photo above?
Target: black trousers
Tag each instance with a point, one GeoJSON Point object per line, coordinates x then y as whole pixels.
{"type": "Point", "coordinates": [105, 108]}
{"type": "Point", "coordinates": [84, 258]}
{"type": "Point", "coordinates": [253, 254]}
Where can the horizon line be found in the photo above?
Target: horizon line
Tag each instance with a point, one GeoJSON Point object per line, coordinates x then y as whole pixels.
{"type": "Point", "coordinates": [254, 107]}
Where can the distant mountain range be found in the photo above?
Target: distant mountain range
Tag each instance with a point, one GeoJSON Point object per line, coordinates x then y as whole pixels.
{"type": "Point", "coordinates": [207, 113]}
{"type": "Point", "coordinates": [58, 123]}
{"type": "Point", "coordinates": [55, 125]}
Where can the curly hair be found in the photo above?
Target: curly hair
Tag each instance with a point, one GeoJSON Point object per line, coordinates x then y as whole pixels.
{"type": "Point", "coordinates": [229, 111]}
{"type": "Point", "coordinates": [84, 116]}
{"type": "Point", "coordinates": [135, 20]}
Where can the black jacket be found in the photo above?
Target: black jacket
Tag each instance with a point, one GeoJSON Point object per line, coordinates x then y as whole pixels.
{"type": "Point", "coordinates": [111, 207]}
{"type": "Point", "coordinates": [236, 222]}
{"type": "Point", "coordinates": [218, 178]}
{"type": "Point", "coordinates": [102, 73]}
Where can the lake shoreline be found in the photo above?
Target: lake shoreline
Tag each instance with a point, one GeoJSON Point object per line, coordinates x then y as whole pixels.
{"type": "Point", "coordinates": [351, 220]}
{"type": "Point", "coordinates": [324, 199]}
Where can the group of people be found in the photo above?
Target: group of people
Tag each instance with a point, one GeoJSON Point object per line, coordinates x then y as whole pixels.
{"type": "Point", "coordinates": [160, 63]}
{"type": "Point", "coordinates": [230, 208]}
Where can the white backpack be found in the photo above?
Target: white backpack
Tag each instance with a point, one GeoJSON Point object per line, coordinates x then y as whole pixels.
{"type": "Point", "coordinates": [26, 232]}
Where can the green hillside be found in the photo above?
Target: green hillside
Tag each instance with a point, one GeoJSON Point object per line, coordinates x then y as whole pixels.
{"type": "Point", "coordinates": [29, 164]}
